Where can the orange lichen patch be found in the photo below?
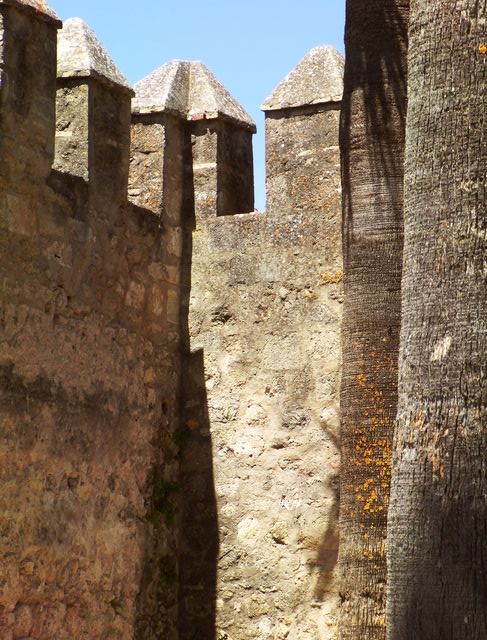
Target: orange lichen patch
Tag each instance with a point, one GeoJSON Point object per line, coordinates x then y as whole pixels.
{"type": "Point", "coordinates": [310, 294]}
{"type": "Point", "coordinates": [361, 379]}
{"type": "Point", "coordinates": [331, 278]}
{"type": "Point", "coordinates": [482, 48]}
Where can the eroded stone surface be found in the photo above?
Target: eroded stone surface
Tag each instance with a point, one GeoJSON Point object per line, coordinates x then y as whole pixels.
{"type": "Point", "coordinates": [165, 89]}
{"type": "Point", "coordinates": [302, 159]}
{"type": "Point", "coordinates": [80, 53]}
{"type": "Point", "coordinates": [190, 90]}
{"type": "Point", "coordinates": [208, 96]}
{"type": "Point", "coordinates": [89, 367]}
{"type": "Point", "coordinates": [42, 9]}
{"type": "Point", "coordinates": [99, 298]}
{"type": "Point", "coordinates": [317, 79]}
{"type": "Point", "coordinates": [265, 326]}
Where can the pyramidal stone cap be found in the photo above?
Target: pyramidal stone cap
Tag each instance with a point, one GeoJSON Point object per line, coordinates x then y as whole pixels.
{"type": "Point", "coordinates": [190, 91]}
{"type": "Point", "coordinates": [81, 54]}
{"type": "Point", "coordinates": [165, 89]}
{"type": "Point", "coordinates": [39, 7]}
{"type": "Point", "coordinates": [317, 79]}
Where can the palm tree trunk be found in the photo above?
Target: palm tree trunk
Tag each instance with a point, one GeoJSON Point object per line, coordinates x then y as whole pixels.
{"type": "Point", "coordinates": [372, 141]}
{"type": "Point", "coordinates": [437, 545]}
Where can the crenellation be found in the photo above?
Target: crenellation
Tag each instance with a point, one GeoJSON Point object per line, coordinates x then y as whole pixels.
{"type": "Point", "coordinates": [28, 63]}
{"type": "Point", "coordinates": [157, 164]}
{"type": "Point", "coordinates": [216, 143]}
{"type": "Point", "coordinates": [72, 128]}
{"type": "Point", "coordinates": [169, 359]}
{"type": "Point", "coordinates": [93, 114]}
{"type": "Point", "coordinates": [302, 120]}
{"type": "Point", "coordinates": [39, 8]}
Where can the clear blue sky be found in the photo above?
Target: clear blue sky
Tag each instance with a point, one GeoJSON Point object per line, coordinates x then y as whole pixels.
{"type": "Point", "coordinates": [250, 45]}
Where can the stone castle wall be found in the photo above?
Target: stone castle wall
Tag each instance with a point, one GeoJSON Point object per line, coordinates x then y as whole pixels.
{"type": "Point", "coordinates": [169, 362]}
{"type": "Point", "coordinates": [88, 363]}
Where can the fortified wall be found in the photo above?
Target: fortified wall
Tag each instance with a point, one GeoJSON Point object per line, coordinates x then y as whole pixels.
{"type": "Point", "coordinates": [169, 358]}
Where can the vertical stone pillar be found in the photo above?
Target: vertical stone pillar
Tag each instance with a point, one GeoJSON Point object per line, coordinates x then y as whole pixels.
{"type": "Point", "coordinates": [27, 88]}
{"type": "Point", "coordinates": [221, 141]}
{"type": "Point", "coordinates": [93, 123]}
{"type": "Point", "coordinates": [159, 147]}
{"type": "Point", "coordinates": [207, 156]}
{"type": "Point", "coordinates": [302, 118]}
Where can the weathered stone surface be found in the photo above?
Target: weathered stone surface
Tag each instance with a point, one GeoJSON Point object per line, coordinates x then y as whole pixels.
{"type": "Point", "coordinates": [317, 79]}
{"type": "Point", "coordinates": [89, 368]}
{"type": "Point", "coordinates": [28, 143]}
{"type": "Point", "coordinates": [80, 53]}
{"type": "Point", "coordinates": [190, 90]}
{"type": "Point", "coordinates": [265, 320]}
{"type": "Point", "coordinates": [302, 119]}
{"type": "Point", "coordinates": [93, 114]}
{"type": "Point", "coordinates": [42, 10]}
{"type": "Point", "coordinates": [72, 130]}
{"type": "Point", "coordinates": [222, 169]}
{"type": "Point", "coordinates": [155, 355]}
{"type": "Point", "coordinates": [208, 97]}
{"type": "Point", "coordinates": [202, 128]}
{"type": "Point", "coordinates": [260, 405]}
{"type": "Point", "coordinates": [164, 90]}
{"type": "Point", "coordinates": [302, 159]}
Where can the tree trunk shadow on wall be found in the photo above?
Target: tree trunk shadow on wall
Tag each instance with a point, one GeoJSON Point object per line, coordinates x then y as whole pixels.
{"type": "Point", "coordinates": [198, 521]}
{"type": "Point", "coordinates": [326, 557]}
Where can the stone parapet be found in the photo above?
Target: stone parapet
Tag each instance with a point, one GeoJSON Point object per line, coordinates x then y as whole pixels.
{"type": "Point", "coordinates": [264, 323]}
{"type": "Point", "coordinates": [89, 361]}
{"type": "Point", "coordinates": [28, 86]}
{"type": "Point", "coordinates": [168, 370]}
{"type": "Point", "coordinates": [39, 8]}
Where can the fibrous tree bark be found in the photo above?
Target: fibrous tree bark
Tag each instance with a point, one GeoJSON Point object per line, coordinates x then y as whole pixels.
{"type": "Point", "coordinates": [437, 536]}
{"type": "Point", "coordinates": [372, 142]}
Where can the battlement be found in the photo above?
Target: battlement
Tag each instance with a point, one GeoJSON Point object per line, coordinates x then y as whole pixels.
{"type": "Point", "coordinates": [86, 131]}
{"type": "Point", "coordinates": [170, 358]}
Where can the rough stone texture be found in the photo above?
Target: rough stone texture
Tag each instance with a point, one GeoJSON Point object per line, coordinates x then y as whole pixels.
{"type": "Point", "coordinates": [89, 372]}
{"type": "Point", "coordinates": [302, 158]}
{"type": "Point", "coordinates": [82, 54]}
{"type": "Point", "coordinates": [302, 118]}
{"type": "Point", "coordinates": [260, 400]}
{"type": "Point", "coordinates": [155, 356]}
{"type": "Point", "coordinates": [28, 92]}
{"type": "Point", "coordinates": [165, 89]}
{"type": "Point", "coordinates": [72, 127]}
{"type": "Point", "coordinates": [159, 150]}
{"type": "Point", "coordinates": [42, 10]}
{"type": "Point", "coordinates": [264, 323]}
{"type": "Point", "coordinates": [209, 97]}
{"type": "Point", "coordinates": [190, 90]}
{"type": "Point", "coordinates": [222, 169]}
{"type": "Point", "coordinates": [207, 140]}
{"type": "Point", "coordinates": [317, 79]}
{"type": "Point", "coordinates": [93, 106]}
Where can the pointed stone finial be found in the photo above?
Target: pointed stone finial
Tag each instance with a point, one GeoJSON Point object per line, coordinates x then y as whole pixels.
{"type": "Point", "coordinates": [317, 79]}
{"type": "Point", "coordinates": [164, 90]}
{"type": "Point", "coordinates": [208, 97]}
{"type": "Point", "coordinates": [302, 117]}
{"type": "Point", "coordinates": [81, 54]}
{"type": "Point", "coordinates": [189, 90]}
{"type": "Point", "coordinates": [39, 7]}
